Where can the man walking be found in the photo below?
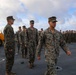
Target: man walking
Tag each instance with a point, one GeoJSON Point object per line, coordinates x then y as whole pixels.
{"type": "Point", "coordinates": [32, 35]}
{"type": "Point", "coordinates": [17, 37]}
{"type": "Point", "coordinates": [23, 42]}
{"type": "Point", "coordinates": [52, 39]}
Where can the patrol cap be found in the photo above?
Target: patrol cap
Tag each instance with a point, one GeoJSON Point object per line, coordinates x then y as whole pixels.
{"type": "Point", "coordinates": [32, 21]}
{"type": "Point", "coordinates": [19, 26]}
{"type": "Point", "coordinates": [52, 19]}
{"type": "Point", "coordinates": [10, 17]}
{"type": "Point", "coordinates": [24, 26]}
{"type": "Point", "coordinates": [41, 28]}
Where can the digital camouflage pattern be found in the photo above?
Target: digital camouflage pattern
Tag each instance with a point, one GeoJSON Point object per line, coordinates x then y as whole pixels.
{"type": "Point", "coordinates": [18, 42]}
{"type": "Point", "coordinates": [51, 41]}
{"type": "Point", "coordinates": [23, 41]}
{"type": "Point", "coordinates": [32, 35]}
{"type": "Point", "coordinates": [9, 47]}
{"type": "Point", "coordinates": [69, 36]}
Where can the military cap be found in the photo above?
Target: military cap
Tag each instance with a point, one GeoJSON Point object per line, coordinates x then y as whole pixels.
{"type": "Point", "coordinates": [10, 17]}
{"type": "Point", "coordinates": [52, 19]}
{"type": "Point", "coordinates": [41, 28]}
{"type": "Point", "coordinates": [19, 26]}
{"type": "Point", "coordinates": [32, 21]}
{"type": "Point", "coordinates": [24, 26]}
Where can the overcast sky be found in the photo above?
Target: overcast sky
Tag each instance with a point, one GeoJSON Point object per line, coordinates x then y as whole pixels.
{"type": "Point", "coordinates": [39, 10]}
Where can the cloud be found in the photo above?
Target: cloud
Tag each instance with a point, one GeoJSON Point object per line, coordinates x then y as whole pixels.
{"type": "Point", "coordinates": [10, 7]}
{"type": "Point", "coordinates": [46, 8]}
{"type": "Point", "coordinates": [70, 24]}
{"type": "Point", "coordinates": [39, 10]}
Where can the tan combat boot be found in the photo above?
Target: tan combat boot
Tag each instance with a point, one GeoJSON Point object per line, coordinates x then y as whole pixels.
{"type": "Point", "coordinates": [30, 65]}
{"type": "Point", "coordinates": [7, 73]}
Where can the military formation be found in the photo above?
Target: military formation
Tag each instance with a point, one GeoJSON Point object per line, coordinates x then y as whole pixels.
{"type": "Point", "coordinates": [23, 42]}
{"type": "Point", "coordinates": [69, 36]}
{"type": "Point", "coordinates": [17, 38]}
{"type": "Point", "coordinates": [30, 42]}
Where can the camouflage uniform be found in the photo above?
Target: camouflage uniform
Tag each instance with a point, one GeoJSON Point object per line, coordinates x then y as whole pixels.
{"type": "Point", "coordinates": [39, 33]}
{"type": "Point", "coordinates": [18, 42]}
{"type": "Point", "coordinates": [32, 43]}
{"type": "Point", "coordinates": [51, 41]}
{"type": "Point", "coordinates": [9, 45]}
{"type": "Point", "coordinates": [23, 41]}
{"type": "Point", "coordinates": [75, 36]}
{"type": "Point", "coordinates": [66, 36]}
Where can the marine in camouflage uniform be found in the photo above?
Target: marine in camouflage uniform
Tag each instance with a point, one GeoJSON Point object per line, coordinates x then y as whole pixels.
{"type": "Point", "coordinates": [66, 36]}
{"type": "Point", "coordinates": [9, 45]}
{"type": "Point", "coordinates": [74, 36]}
{"type": "Point", "coordinates": [40, 33]}
{"type": "Point", "coordinates": [51, 39]}
{"type": "Point", "coordinates": [23, 42]}
{"type": "Point", "coordinates": [69, 36]}
{"type": "Point", "coordinates": [32, 35]}
{"type": "Point", "coordinates": [17, 37]}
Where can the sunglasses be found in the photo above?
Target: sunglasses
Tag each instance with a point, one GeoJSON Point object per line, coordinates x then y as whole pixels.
{"type": "Point", "coordinates": [54, 22]}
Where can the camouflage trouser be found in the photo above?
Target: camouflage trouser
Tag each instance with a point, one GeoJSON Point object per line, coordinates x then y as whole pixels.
{"type": "Point", "coordinates": [51, 70]}
{"type": "Point", "coordinates": [32, 52]}
{"type": "Point", "coordinates": [18, 45]}
{"type": "Point", "coordinates": [9, 59]}
{"type": "Point", "coordinates": [24, 50]}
